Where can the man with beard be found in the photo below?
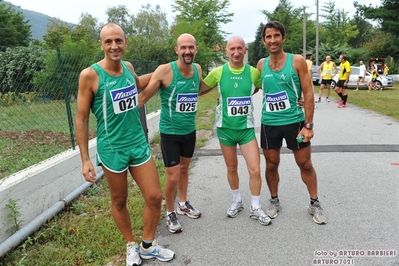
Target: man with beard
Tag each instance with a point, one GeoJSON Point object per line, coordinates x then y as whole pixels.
{"type": "Point", "coordinates": [284, 78]}
{"type": "Point", "coordinates": [178, 84]}
{"type": "Point", "coordinates": [106, 87]}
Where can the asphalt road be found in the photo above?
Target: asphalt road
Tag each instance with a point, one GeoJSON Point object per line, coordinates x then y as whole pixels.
{"type": "Point", "coordinates": [356, 157]}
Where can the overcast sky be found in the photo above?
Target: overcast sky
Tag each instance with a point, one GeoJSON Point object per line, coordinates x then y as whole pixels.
{"type": "Point", "coordinates": [246, 20]}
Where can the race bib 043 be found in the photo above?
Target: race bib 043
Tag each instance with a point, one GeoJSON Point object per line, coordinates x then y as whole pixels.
{"type": "Point", "coordinates": [238, 106]}
{"type": "Point", "coordinates": [124, 99]}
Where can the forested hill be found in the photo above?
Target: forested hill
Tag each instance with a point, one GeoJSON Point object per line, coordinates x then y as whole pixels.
{"type": "Point", "coordinates": [38, 21]}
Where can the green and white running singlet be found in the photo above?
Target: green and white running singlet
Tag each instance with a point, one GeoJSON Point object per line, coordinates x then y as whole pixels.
{"type": "Point", "coordinates": [281, 92]}
{"type": "Point", "coordinates": [236, 86]}
{"type": "Point", "coordinates": [115, 108]}
{"type": "Point", "coordinates": [179, 103]}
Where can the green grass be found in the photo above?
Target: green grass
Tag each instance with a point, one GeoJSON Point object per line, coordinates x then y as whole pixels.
{"type": "Point", "coordinates": [384, 102]}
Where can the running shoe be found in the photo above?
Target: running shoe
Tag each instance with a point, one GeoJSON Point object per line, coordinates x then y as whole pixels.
{"type": "Point", "coordinates": [327, 100]}
{"type": "Point", "coordinates": [341, 105]}
{"type": "Point", "coordinates": [188, 210]}
{"type": "Point", "coordinates": [173, 224]}
{"type": "Point", "coordinates": [273, 208]}
{"type": "Point", "coordinates": [318, 101]}
{"type": "Point", "coordinates": [260, 215]}
{"type": "Point", "coordinates": [132, 254]}
{"type": "Point", "coordinates": [235, 207]}
{"type": "Point", "coordinates": [156, 251]}
{"type": "Point", "coordinates": [317, 211]}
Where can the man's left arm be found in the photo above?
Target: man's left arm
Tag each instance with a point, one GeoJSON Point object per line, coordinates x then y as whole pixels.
{"type": "Point", "coordinates": [308, 95]}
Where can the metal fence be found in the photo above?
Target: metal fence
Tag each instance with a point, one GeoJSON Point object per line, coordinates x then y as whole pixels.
{"type": "Point", "coordinates": [38, 103]}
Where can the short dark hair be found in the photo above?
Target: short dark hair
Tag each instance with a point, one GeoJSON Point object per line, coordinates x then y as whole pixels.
{"type": "Point", "coordinates": [308, 55]}
{"type": "Point", "coordinates": [273, 25]}
{"type": "Point", "coordinates": [345, 57]}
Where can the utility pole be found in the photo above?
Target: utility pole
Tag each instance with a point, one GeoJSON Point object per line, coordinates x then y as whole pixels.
{"type": "Point", "coordinates": [304, 32]}
{"type": "Point", "coordinates": [317, 32]}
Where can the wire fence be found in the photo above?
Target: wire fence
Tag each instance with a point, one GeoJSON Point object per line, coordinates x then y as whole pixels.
{"type": "Point", "coordinates": [38, 90]}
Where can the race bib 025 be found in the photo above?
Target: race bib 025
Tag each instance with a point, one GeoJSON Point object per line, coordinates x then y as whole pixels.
{"type": "Point", "coordinates": [186, 102]}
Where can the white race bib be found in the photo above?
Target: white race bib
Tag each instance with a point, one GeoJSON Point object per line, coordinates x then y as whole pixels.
{"type": "Point", "coordinates": [124, 99]}
{"type": "Point", "coordinates": [239, 106]}
{"type": "Point", "coordinates": [277, 102]}
{"type": "Point", "coordinates": [186, 102]}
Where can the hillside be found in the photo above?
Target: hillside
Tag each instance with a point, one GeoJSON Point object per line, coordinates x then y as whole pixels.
{"type": "Point", "coordinates": [38, 21]}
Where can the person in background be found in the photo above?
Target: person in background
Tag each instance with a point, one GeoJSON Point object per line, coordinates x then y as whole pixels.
{"type": "Point", "coordinates": [362, 75]}
{"type": "Point", "coordinates": [326, 76]}
{"type": "Point", "coordinates": [373, 81]}
{"type": "Point", "coordinates": [178, 83]}
{"type": "Point", "coordinates": [386, 69]}
{"type": "Point", "coordinates": [284, 78]}
{"type": "Point", "coordinates": [237, 82]}
{"type": "Point", "coordinates": [344, 74]}
{"type": "Point", "coordinates": [110, 88]}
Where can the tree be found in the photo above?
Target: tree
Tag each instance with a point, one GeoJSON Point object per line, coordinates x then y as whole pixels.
{"type": "Point", "coordinates": [14, 30]}
{"type": "Point", "coordinates": [56, 32]}
{"type": "Point", "coordinates": [291, 18]}
{"type": "Point", "coordinates": [338, 29]}
{"type": "Point", "coordinates": [120, 15]}
{"type": "Point", "coordinates": [257, 49]}
{"type": "Point", "coordinates": [151, 40]}
{"type": "Point", "coordinates": [387, 16]}
{"type": "Point", "coordinates": [17, 67]}
{"type": "Point", "coordinates": [205, 18]}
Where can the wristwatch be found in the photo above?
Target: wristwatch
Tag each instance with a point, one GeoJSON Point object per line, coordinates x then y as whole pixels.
{"type": "Point", "coordinates": [309, 125]}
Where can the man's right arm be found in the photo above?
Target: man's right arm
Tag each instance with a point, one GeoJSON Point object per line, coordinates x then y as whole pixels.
{"type": "Point", "coordinates": [158, 78]}
{"type": "Point", "coordinates": [88, 80]}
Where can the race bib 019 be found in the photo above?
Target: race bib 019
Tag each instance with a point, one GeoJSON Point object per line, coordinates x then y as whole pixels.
{"type": "Point", "coordinates": [124, 99]}
{"type": "Point", "coordinates": [277, 102]}
{"type": "Point", "coordinates": [238, 106]}
{"type": "Point", "coordinates": [186, 102]}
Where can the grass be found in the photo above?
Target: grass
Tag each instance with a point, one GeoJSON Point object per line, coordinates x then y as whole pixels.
{"type": "Point", "coordinates": [85, 233]}
{"type": "Point", "coordinates": [384, 102]}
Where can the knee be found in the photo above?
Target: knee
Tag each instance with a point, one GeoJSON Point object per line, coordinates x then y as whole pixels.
{"type": "Point", "coordinates": [154, 198]}
{"type": "Point", "coordinates": [119, 203]}
{"type": "Point", "coordinates": [254, 171]}
{"type": "Point", "coordinates": [232, 168]}
{"type": "Point", "coordinates": [173, 179]}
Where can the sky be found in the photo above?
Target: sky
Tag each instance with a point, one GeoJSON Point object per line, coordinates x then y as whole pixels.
{"type": "Point", "coordinates": [247, 15]}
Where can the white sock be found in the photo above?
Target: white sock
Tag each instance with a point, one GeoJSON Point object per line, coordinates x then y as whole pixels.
{"type": "Point", "coordinates": [236, 194]}
{"type": "Point", "coordinates": [182, 204]}
{"type": "Point", "coordinates": [255, 202]}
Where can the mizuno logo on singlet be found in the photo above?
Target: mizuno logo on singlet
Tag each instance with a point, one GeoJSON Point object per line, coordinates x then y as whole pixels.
{"type": "Point", "coordinates": [239, 101]}
{"type": "Point", "coordinates": [123, 93]}
{"type": "Point", "coordinates": [187, 98]}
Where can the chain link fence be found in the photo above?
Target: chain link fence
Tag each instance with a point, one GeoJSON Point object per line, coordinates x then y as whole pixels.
{"type": "Point", "coordinates": [38, 90]}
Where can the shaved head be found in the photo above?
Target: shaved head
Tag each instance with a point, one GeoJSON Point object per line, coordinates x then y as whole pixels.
{"type": "Point", "coordinates": [235, 39]}
{"type": "Point", "coordinates": [185, 37]}
{"type": "Point", "coordinates": [110, 27]}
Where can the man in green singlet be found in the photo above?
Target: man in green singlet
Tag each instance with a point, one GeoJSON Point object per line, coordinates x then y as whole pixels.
{"type": "Point", "coordinates": [178, 83]}
{"type": "Point", "coordinates": [235, 124]}
{"type": "Point", "coordinates": [284, 78]}
{"type": "Point", "coordinates": [109, 88]}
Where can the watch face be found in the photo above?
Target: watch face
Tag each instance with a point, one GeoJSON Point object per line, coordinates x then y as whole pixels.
{"type": "Point", "coordinates": [309, 125]}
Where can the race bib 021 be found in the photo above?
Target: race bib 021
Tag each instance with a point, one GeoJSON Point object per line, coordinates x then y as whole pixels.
{"type": "Point", "coordinates": [124, 99]}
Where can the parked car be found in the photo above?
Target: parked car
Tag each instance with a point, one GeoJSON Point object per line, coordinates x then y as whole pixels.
{"type": "Point", "coordinates": [315, 77]}
{"type": "Point", "coordinates": [382, 80]}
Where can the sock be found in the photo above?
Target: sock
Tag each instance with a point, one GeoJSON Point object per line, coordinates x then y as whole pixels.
{"type": "Point", "coordinates": [182, 204]}
{"type": "Point", "coordinates": [147, 243]}
{"type": "Point", "coordinates": [345, 99]}
{"type": "Point", "coordinates": [276, 198]}
{"type": "Point", "coordinates": [312, 201]}
{"type": "Point", "coordinates": [236, 194]}
{"type": "Point", "coordinates": [255, 202]}
{"type": "Point", "coordinates": [167, 213]}
{"type": "Point", "coordinates": [341, 96]}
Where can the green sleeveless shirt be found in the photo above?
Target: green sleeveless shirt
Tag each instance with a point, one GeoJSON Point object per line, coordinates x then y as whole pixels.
{"type": "Point", "coordinates": [235, 109]}
{"type": "Point", "coordinates": [115, 108]}
{"type": "Point", "coordinates": [179, 103]}
{"type": "Point", "coordinates": [281, 92]}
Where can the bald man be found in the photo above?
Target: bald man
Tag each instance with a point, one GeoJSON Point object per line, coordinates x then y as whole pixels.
{"type": "Point", "coordinates": [178, 83]}
{"type": "Point", "coordinates": [235, 124]}
{"type": "Point", "coordinates": [109, 87]}
{"type": "Point", "coordinates": [328, 70]}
